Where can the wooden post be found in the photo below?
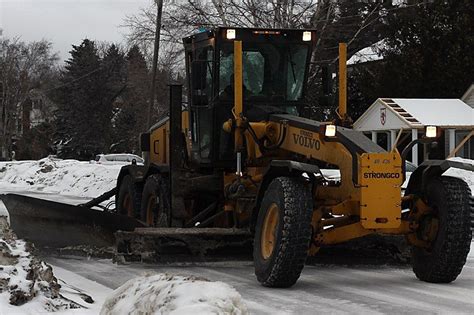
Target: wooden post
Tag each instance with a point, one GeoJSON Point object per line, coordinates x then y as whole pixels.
{"type": "Point", "coordinates": [460, 145]}
{"type": "Point", "coordinates": [156, 50]}
{"type": "Point", "coordinates": [374, 136]}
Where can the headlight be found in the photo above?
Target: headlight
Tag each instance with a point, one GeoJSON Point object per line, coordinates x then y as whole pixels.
{"type": "Point", "coordinates": [330, 131]}
{"type": "Point", "coordinates": [230, 33]}
{"type": "Point", "coordinates": [306, 36]}
{"type": "Point", "coordinates": [431, 131]}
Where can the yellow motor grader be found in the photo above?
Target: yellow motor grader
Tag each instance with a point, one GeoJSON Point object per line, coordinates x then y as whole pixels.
{"type": "Point", "coordinates": [240, 157]}
{"type": "Point", "coordinates": [238, 160]}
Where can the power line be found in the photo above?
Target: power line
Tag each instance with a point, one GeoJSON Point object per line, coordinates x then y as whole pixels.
{"type": "Point", "coordinates": [75, 80]}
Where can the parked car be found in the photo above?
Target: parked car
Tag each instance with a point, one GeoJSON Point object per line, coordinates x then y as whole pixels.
{"type": "Point", "coordinates": [120, 158]}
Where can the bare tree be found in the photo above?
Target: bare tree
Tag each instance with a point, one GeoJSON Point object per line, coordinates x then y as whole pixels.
{"type": "Point", "coordinates": [359, 23]}
{"type": "Point", "coordinates": [183, 18]}
{"type": "Point", "coordinates": [23, 67]}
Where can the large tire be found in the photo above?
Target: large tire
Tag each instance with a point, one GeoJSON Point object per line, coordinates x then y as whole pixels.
{"type": "Point", "coordinates": [280, 254]}
{"type": "Point", "coordinates": [155, 201]}
{"type": "Point", "coordinates": [448, 197]}
{"type": "Point", "coordinates": [129, 197]}
{"type": "Point", "coordinates": [472, 212]}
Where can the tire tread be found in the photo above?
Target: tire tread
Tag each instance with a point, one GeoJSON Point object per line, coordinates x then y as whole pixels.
{"type": "Point", "coordinates": [447, 264]}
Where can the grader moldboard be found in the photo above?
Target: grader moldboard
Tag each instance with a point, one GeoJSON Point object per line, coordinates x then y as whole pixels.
{"type": "Point", "coordinates": [240, 164]}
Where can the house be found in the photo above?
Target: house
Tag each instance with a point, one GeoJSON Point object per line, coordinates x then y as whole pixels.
{"type": "Point", "coordinates": [34, 110]}
{"type": "Point", "coordinates": [386, 118]}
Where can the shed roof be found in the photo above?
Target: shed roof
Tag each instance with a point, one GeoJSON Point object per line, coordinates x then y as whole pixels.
{"type": "Point", "coordinates": [416, 113]}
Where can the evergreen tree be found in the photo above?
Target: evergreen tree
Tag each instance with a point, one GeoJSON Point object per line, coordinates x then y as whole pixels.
{"type": "Point", "coordinates": [80, 116]}
{"type": "Point", "coordinates": [427, 54]}
{"type": "Point", "coordinates": [130, 118]}
{"type": "Point", "coordinates": [114, 84]}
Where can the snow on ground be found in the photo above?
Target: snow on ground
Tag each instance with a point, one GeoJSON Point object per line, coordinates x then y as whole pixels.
{"type": "Point", "coordinates": [463, 174]}
{"type": "Point", "coordinates": [75, 181]}
{"type": "Point", "coordinates": [55, 176]}
{"type": "Point", "coordinates": [27, 284]}
{"type": "Point", "coordinates": [71, 283]}
{"type": "Point", "coordinates": [322, 289]}
{"type": "Point", "coordinates": [174, 294]}
{"type": "Point", "coordinates": [72, 180]}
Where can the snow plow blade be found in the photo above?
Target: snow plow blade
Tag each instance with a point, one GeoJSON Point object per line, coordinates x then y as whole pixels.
{"type": "Point", "coordinates": [57, 225]}
{"type": "Point", "coordinates": [184, 245]}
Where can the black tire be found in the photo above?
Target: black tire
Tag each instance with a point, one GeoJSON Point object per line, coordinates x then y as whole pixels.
{"type": "Point", "coordinates": [155, 198]}
{"type": "Point", "coordinates": [472, 212]}
{"type": "Point", "coordinates": [443, 261]}
{"type": "Point", "coordinates": [129, 189]}
{"type": "Point", "coordinates": [292, 236]}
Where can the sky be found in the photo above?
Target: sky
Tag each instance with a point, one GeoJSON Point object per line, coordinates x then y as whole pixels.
{"type": "Point", "coordinates": [67, 22]}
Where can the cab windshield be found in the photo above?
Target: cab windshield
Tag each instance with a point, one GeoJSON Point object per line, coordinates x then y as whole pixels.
{"type": "Point", "coordinates": [272, 73]}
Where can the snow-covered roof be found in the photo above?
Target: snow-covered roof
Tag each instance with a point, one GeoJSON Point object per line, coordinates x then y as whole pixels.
{"type": "Point", "coordinates": [367, 54]}
{"type": "Point", "coordinates": [468, 97]}
{"type": "Point", "coordinates": [397, 113]}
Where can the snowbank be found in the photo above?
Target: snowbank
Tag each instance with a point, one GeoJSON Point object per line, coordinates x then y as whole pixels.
{"type": "Point", "coordinates": [63, 177]}
{"type": "Point", "coordinates": [174, 294]}
{"type": "Point", "coordinates": [89, 180]}
{"type": "Point", "coordinates": [27, 285]}
{"type": "Point", "coordinates": [463, 174]}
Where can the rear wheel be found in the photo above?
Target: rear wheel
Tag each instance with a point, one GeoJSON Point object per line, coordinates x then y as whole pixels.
{"type": "Point", "coordinates": [283, 232]}
{"type": "Point", "coordinates": [129, 197]}
{"type": "Point", "coordinates": [155, 201]}
{"type": "Point", "coordinates": [448, 221]}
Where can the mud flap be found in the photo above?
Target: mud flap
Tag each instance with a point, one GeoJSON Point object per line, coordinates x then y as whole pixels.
{"type": "Point", "coordinates": [51, 224]}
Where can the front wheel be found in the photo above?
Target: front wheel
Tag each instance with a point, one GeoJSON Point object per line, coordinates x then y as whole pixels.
{"type": "Point", "coordinates": [449, 219]}
{"type": "Point", "coordinates": [283, 232]}
{"type": "Point", "coordinates": [155, 203]}
{"type": "Point", "coordinates": [128, 198]}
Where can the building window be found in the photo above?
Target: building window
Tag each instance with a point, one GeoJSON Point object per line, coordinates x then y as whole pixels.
{"type": "Point", "coordinates": [467, 151]}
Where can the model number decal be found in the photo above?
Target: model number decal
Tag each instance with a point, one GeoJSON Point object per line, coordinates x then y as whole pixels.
{"type": "Point", "coordinates": [381, 175]}
{"type": "Point", "coordinates": [305, 139]}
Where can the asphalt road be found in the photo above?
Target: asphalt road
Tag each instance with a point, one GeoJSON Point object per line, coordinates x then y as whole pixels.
{"type": "Point", "coordinates": [366, 289]}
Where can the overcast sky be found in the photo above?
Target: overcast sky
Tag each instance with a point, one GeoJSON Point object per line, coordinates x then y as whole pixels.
{"type": "Point", "coordinates": [67, 22]}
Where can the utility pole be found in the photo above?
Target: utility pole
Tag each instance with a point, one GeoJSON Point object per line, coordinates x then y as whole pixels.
{"type": "Point", "coordinates": [156, 50]}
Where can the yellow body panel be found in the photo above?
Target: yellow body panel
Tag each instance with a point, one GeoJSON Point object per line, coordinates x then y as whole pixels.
{"type": "Point", "coordinates": [380, 193]}
{"type": "Point", "coordinates": [159, 139]}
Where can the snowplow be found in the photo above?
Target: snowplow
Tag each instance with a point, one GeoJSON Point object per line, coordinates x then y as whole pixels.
{"type": "Point", "coordinates": [238, 165]}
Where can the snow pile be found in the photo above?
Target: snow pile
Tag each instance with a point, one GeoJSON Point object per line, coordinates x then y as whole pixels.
{"type": "Point", "coordinates": [468, 176]}
{"type": "Point", "coordinates": [63, 177]}
{"type": "Point", "coordinates": [174, 294]}
{"type": "Point", "coordinates": [24, 278]}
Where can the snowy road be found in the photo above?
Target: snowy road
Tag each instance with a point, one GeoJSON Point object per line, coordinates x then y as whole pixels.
{"type": "Point", "coordinates": [321, 288]}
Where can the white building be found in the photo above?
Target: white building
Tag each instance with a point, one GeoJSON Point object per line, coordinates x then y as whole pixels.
{"type": "Point", "coordinates": [387, 117]}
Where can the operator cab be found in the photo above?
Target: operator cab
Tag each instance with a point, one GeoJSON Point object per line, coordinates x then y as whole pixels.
{"type": "Point", "coordinates": [275, 67]}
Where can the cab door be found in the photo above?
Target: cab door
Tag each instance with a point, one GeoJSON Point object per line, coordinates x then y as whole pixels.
{"type": "Point", "coordinates": [200, 63]}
